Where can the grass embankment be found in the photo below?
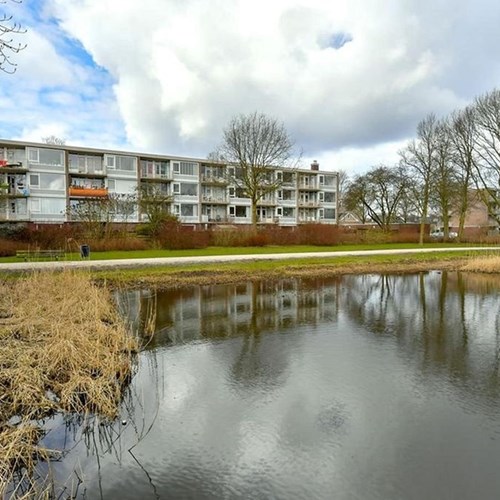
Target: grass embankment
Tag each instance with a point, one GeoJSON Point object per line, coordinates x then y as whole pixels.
{"type": "Point", "coordinates": [64, 348]}
{"type": "Point", "coordinates": [271, 249]}
{"type": "Point", "coordinates": [201, 274]}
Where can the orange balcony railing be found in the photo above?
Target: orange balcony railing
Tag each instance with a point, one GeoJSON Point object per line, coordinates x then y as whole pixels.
{"type": "Point", "coordinates": [88, 191]}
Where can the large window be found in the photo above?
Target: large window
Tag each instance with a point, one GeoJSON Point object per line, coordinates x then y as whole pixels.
{"type": "Point", "coordinates": [123, 163]}
{"type": "Point", "coordinates": [288, 212]}
{"type": "Point", "coordinates": [330, 180]}
{"type": "Point", "coordinates": [185, 167]}
{"type": "Point", "coordinates": [329, 213]}
{"type": "Point", "coordinates": [240, 211]}
{"type": "Point", "coordinates": [329, 197]}
{"type": "Point", "coordinates": [154, 168]}
{"type": "Point", "coordinates": [189, 210]}
{"type": "Point", "coordinates": [84, 163]}
{"type": "Point", "coordinates": [49, 157]}
{"type": "Point", "coordinates": [189, 189]}
{"type": "Point", "coordinates": [47, 181]}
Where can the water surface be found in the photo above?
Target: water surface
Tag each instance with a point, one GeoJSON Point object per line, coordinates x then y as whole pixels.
{"type": "Point", "coordinates": [356, 387]}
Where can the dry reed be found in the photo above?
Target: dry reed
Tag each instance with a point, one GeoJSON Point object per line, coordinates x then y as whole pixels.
{"type": "Point", "coordinates": [64, 347]}
{"type": "Point", "coordinates": [488, 264]}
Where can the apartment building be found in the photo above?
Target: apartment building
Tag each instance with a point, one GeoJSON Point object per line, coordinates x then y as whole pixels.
{"type": "Point", "coordinates": [40, 183]}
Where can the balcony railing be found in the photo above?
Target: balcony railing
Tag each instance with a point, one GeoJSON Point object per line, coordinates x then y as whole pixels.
{"type": "Point", "coordinates": [212, 179]}
{"type": "Point", "coordinates": [89, 192]}
{"type": "Point", "coordinates": [7, 165]}
{"type": "Point", "coordinates": [214, 199]}
{"type": "Point", "coordinates": [309, 204]}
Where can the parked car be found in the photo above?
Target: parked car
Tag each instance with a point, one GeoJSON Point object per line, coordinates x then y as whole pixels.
{"type": "Point", "coordinates": [439, 233]}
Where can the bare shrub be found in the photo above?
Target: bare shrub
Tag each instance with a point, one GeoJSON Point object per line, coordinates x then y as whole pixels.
{"type": "Point", "coordinates": [8, 248]}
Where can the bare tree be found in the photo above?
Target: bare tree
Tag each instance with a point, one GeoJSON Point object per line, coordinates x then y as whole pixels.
{"type": "Point", "coordinates": [487, 172]}
{"type": "Point", "coordinates": [7, 44]}
{"type": "Point", "coordinates": [343, 184]}
{"type": "Point", "coordinates": [445, 186]}
{"type": "Point", "coordinates": [463, 137]}
{"type": "Point", "coordinates": [379, 192]}
{"type": "Point", "coordinates": [97, 215]}
{"type": "Point", "coordinates": [419, 156]}
{"type": "Point", "coordinates": [256, 145]}
{"type": "Point", "coordinates": [54, 140]}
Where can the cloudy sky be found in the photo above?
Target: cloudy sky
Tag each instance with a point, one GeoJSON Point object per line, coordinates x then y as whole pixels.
{"type": "Point", "coordinates": [350, 79]}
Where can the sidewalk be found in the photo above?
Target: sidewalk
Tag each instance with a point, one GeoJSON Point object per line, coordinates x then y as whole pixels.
{"type": "Point", "coordinates": [214, 259]}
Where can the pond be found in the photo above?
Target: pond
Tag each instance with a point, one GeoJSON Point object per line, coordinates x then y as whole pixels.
{"type": "Point", "coordinates": [369, 387]}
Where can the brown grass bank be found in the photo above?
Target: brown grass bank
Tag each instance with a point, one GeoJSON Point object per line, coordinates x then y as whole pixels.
{"type": "Point", "coordinates": [63, 348]}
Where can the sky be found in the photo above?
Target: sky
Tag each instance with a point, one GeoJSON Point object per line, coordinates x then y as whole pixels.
{"type": "Point", "coordinates": [349, 79]}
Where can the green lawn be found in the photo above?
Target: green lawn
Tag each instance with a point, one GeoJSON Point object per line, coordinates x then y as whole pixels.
{"type": "Point", "coordinates": [143, 254]}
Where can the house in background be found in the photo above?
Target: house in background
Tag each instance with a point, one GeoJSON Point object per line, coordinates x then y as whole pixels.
{"type": "Point", "coordinates": [482, 217]}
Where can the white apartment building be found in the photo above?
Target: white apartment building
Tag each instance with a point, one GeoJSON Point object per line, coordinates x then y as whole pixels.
{"type": "Point", "coordinates": [40, 182]}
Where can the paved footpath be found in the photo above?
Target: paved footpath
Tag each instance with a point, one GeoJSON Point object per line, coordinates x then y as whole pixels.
{"type": "Point", "coordinates": [211, 259]}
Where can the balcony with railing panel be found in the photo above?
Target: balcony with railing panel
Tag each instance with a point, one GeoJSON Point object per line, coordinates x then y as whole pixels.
{"type": "Point", "coordinates": [87, 191]}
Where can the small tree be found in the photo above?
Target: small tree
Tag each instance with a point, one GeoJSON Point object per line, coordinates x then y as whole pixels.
{"type": "Point", "coordinates": [155, 203]}
{"type": "Point", "coordinates": [7, 44]}
{"type": "Point", "coordinates": [255, 144]}
{"type": "Point", "coordinates": [97, 215]}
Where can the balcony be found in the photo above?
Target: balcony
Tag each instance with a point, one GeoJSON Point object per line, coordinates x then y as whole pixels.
{"type": "Point", "coordinates": [308, 186]}
{"type": "Point", "coordinates": [214, 200]}
{"type": "Point", "coordinates": [213, 180]}
{"type": "Point", "coordinates": [309, 204]}
{"type": "Point", "coordinates": [12, 167]}
{"type": "Point", "coordinates": [88, 192]}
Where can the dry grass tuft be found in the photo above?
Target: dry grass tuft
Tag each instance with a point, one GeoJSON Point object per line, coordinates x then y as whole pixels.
{"type": "Point", "coordinates": [490, 264]}
{"type": "Point", "coordinates": [64, 347]}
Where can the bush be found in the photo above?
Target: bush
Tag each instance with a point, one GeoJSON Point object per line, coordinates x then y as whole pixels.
{"type": "Point", "coordinates": [173, 236]}
{"type": "Point", "coordinates": [13, 230]}
{"type": "Point", "coordinates": [116, 244]}
{"type": "Point", "coordinates": [8, 248]}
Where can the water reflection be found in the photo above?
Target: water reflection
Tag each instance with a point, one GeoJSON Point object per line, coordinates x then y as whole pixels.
{"type": "Point", "coordinates": [367, 386]}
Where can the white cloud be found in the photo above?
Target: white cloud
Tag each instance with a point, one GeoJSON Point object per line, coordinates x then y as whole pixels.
{"type": "Point", "coordinates": [349, 78]}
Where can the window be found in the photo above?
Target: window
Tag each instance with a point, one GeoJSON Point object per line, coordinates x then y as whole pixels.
{"type": "Point", "coordinates": [288, 212]}
{"type": "Point", "coordinates": [189, 189]}
{"type": "Point", "coordinates": [188, 210]}
{"type": "Point", "coordinates": [188, 168]}
{"type": "Point", "coordinates": [176, 167]}
{"type": "Point", "coordinates": [321, 179]}
{"type": "Point", "coordinates": [321, 213]}
{"type": "Point", "coordinates": [280, 193]}
{"type": "Point", "coordinates": [176, 189]}
{"type": "Point", "coordinates": [329, 213]}
{"type": "Point", "coordinates": [321, 196]}
{"type": "Point", "coordinates": [33, 155]}
{"type": "Point", "coordinates": [230, 171]}
{"type": "Point", "coordinates": [51, 181]}
{"type": "Point", "coordinates": [241, 211]}
{"type": "Point", "coordinates": [329, 197]}
{"type": "Point", "coordinates": [110, 162]}
{"type": "Point", "coordinates": [279, 176]}
{"type": "Point", "coordinates": [279, 211]}
{"type": "Point", "coordinates": [288, 195]}
{"type": "Point", "coordinates": [35, 206]}
{"type": "Point", "coordinates": [111, 184]}
{"type": "Point", "coordinates": [177, 209]}
{"type": "Point", "coordinates": [232, 192]}
{"type": "Point", "coordinates": [232, 211]}
{"type": "Point", "coordinates": [34, 180]}
{"type": "Point", "coordinates": [329, 180]}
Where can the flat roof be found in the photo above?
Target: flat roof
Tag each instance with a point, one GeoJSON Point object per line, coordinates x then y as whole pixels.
{"type": "Point", "coordinates": [81, 149]}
